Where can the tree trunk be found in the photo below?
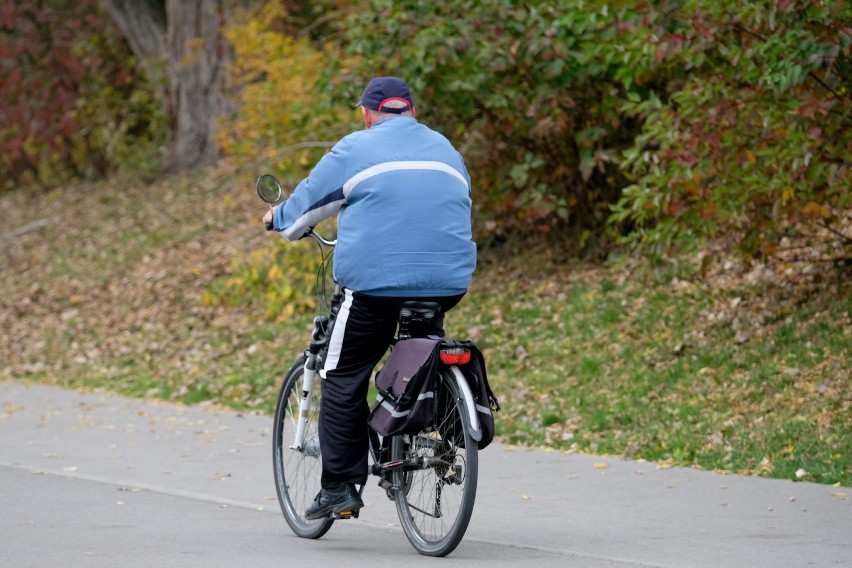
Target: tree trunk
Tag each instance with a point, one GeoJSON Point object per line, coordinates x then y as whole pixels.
{"type": "Point", "coordinates": [198, 77]}
{"type": "Point", "coordinates": [143, 23]}
{"type": "Point", "coordinates": [186, 36]}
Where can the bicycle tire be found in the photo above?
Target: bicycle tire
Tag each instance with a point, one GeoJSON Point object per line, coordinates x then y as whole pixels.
{"type": "Point", "coordinates": [435, 502]}
{"type": "Point", "coordinates": [297, 472]}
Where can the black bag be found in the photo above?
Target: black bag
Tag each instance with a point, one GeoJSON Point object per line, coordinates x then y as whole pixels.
{"type": "Point", "coordinates": [486, 403]}
{"type": "Point", "coordinates": [406, 385]}
{"type": "Point", "coordinates": [408, 382]}
{"type": "Point", "coordinates": [477, 380]}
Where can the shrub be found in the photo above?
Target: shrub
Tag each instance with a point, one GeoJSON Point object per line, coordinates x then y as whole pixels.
{"type": "Point", "coordinates": [530, 93]}
{"type": "Point", "coordinates": [72, 102]}
{"type": "Point", "coordinates": [751, 136]}
{"type": "Point", "coordinates": [282, 278]}
{"type": "Point", "coordinates": [287, 115]}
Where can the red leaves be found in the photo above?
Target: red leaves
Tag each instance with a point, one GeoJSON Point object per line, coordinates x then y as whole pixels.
{"type": "Point", "coordinates": [677, 207]}
{"type": "Point", "coordinates": [56, 59]}
{"type": "Point", "coordinates": [7, 15]}
{"type": "Point", "coordinates": [670, 43]}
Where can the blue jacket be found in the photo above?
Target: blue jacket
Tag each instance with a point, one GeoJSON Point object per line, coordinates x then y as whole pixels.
{"type": "Point", "coordinates": [402, 195]}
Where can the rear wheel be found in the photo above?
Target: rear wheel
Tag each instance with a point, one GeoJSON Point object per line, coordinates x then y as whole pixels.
{"type": "Point", "coordinates": [298, 471]}
{"type": "Point", "coordinates": [436, 490]}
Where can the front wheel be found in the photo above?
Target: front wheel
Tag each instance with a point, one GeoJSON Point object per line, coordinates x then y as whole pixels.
{"type": "Point", "coordinates": [298, 472]}
{"type": "Point", "coordinates": [435, 491]}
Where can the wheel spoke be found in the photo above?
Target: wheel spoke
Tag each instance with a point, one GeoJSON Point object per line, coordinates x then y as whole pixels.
{"type": "Point", "coordinates": [436, 501]}
{"type": "Point", "coordinates": [297, 472]}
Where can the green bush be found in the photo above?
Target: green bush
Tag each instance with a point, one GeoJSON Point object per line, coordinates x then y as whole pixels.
{"type": "Point", "coordinates": [750, 135]}
{"type": "Point", "coordinates": [530, 93]}
{"type": "Point", "coordinates": [693, 118]}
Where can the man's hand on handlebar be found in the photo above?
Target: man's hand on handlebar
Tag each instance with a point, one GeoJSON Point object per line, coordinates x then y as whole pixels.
{"type": "Point", "coordinates": [267, 220]}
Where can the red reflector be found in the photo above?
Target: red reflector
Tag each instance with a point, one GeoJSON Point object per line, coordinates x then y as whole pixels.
{"type": "Point", "coordinates": [455, 356]}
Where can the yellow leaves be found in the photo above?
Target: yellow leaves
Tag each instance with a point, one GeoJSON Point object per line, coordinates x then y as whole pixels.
{"type": "Point", "coordinates": [813, 209]}
{"type": "Point", "coordinates": [280, 99]}
{"type": "Point", "coordinates": [281, 278]}
{"type": "Point", "coordinates": [274, 273]}
{"type": "Point", "coordinates": [194, 52]}
{"type": "Point", "coordinates": [788, 195]}
{"type": "Point", "coordinates": [208, 298]}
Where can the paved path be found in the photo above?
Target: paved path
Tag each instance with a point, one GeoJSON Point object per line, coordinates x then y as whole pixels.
{"type": "Point", "coordinates": [93, 480]}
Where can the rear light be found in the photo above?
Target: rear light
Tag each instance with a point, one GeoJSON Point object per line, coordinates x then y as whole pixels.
{"type": "Point", "coordinates": [455, 356]}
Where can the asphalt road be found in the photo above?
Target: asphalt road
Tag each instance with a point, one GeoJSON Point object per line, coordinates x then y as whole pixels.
{"type": "Point", "coordinates": [94, 480]}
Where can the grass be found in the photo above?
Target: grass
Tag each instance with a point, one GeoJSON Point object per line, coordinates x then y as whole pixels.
{"type": "Point", "coordinates": [640, 369]}
{"type": "Point", "coordinates": [721, 370]}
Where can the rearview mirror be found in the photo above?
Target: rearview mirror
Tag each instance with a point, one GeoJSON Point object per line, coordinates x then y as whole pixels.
{"type": "Point", "coordinates": [268, 188]}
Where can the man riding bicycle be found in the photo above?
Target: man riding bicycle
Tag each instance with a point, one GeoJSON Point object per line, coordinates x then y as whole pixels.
{"type": "Point", "coordinates": [403, 199]}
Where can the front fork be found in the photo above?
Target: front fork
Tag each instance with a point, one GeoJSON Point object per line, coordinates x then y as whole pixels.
{"type": "Point", "coordinates": [308, 379]}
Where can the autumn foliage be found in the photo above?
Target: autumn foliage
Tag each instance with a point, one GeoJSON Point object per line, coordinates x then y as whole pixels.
{"type": "Point", "coordinates": [692, 118]}
{"type": "Point", "coordinates": [660, 123]}
{"type": "Point", "coordinates": [71, 101]}
{"type": "Point", "coordinates": [286, 119]}
{"type": "Point", "coordinates": [751, 135]}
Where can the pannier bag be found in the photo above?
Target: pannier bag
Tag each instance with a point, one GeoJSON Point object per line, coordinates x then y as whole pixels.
{"type": "Point", "coordinates": [486, 402]}
{"type": "Point", "coordinates": [408, 382]}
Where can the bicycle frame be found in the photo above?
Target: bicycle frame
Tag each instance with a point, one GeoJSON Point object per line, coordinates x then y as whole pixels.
{"type": "Point", "coordinates": [319, 341]}
{"type": "Point", "coordinates": [321, 336]}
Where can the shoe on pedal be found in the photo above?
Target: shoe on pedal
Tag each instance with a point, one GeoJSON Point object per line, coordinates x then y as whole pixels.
{"type": "Point", "coordinates": [328, 503]}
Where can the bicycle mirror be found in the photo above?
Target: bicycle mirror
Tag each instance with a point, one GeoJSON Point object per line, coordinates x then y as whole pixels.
{"type": "Point", "coordinates": [268, 188]}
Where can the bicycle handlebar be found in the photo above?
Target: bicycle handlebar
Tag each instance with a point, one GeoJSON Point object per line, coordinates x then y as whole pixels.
{"type": "Point", "coordinates": [320, 239]}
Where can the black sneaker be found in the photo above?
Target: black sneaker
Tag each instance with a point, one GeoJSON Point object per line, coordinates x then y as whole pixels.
{"type": "Point", "coordinates": [328, 503]}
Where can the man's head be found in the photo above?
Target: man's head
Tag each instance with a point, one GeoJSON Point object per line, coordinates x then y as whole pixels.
{"type": "Point", "coordinates": [385, 96]}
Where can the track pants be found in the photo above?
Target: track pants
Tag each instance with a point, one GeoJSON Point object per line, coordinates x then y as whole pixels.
{"type": "Point", "coordinates": [362, 333]}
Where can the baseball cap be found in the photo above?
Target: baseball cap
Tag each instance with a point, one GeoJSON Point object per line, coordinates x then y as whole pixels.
{"type": "Point", "coordinates": [382, 90]}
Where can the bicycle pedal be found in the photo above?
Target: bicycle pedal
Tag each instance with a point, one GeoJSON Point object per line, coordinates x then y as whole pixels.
{"type": "Point", "coordinates": [346, 514]}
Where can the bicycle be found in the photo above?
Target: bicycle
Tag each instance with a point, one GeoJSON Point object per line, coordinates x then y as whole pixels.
{"type": "Point", "coordinates": [431, 475]}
